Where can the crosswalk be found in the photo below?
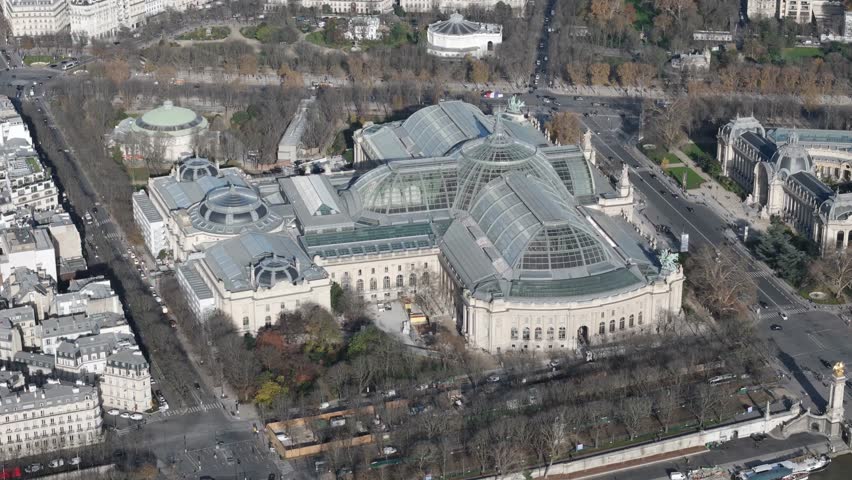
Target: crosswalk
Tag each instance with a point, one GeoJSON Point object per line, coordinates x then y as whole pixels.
{"type": "Point", "coordinates": [773, 313]}
{"type": "Point", "coordinates": [204, 407]}
{"type": "Point", "coordinates": [757, 274]}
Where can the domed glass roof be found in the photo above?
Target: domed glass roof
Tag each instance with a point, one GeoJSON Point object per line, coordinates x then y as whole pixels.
{"type": "Point", "coordinates": [232, 205]}
{"type": "Point", "coordinates": [273, 269]}
{"type": "Point", "coordinates": [533, 228]}
{"type": "Point", "coordinates": [456, 25]}
{"type": "Point", "coordinates": [194, 168]}
{"type": "Point", "coordinates": [793, 158]}
{"type": "Point", "coordinates": [403, 187]}
{"type": "Point", "coordinates": [486, 159]}
{"type": "Point", "coordinates": [169, 118]}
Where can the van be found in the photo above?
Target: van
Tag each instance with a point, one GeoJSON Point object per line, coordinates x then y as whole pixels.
{"type": "Point", "coordinates": [69, 65]}
{"type": "Point", "coordinates": [337, 421]}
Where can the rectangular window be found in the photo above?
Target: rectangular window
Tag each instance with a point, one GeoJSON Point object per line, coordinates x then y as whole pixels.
{"type": "Point", "coordinates": [245, 321]}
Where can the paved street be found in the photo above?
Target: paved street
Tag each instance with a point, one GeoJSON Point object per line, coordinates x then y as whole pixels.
{"type": "Point", "coordinates": [739, 453]}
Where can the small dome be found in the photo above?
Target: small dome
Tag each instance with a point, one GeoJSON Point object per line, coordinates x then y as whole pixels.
{"type": "Point", "coordinates": [793, 158]}
{"type": "Point", "coordinates": [273, 269]}
{"type": "Point", "coordinates": [194, 168]}
{"type": "Point", "coordinates": [232, 205]}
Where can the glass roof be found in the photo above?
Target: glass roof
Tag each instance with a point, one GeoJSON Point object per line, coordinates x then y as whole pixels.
{"type": "Point", "coordinates": [393, 188]}
{"type": "Point", "coordinates": [368, 234]}
{"type": "Point", "coordinates": [533, 228]}
{"type": "Point", "coordinates": [484, 160]}
{"type": "Point", "coordinates": [574, 287]}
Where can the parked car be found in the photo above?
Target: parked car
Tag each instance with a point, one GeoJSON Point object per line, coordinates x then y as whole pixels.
{"type": "Point", "coordinates": [33, 468]}
{"type": "Point", "coordinates": [113, 412]}
{"type": "Point", "coordinates": [124, 415]}
{"type": "Point", "coordinates": [56, 463]}
{"type": "Point", "coordinates": [74, 461]}
{"type": "Point", "coordinates": [136, 416]}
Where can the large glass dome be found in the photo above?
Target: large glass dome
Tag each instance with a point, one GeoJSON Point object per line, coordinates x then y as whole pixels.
{"type": "Point", "coordinates": [404, 187]}
{"type": "Point", "coordinates": [486, 159]}
{"type": "Point", "coordinates": [533, 227]}
{"type": "Point", "coordinates": [194, 168]}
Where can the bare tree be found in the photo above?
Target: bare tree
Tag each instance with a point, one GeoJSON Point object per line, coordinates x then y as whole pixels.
{"type": "Point", "coordinates": [704, 399]}
{"type": "Point", "coordinates": [833, 270]}
{"type": "Point", "coordinates": [725, 286]}
{"type": "Point", "coordinates": [632, 412]}
{"type": "Point", "coordinates": [665, 406]}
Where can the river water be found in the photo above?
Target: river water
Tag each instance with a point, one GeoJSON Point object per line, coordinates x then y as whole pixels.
{"type": "Point", "coordinates": [840, 469]}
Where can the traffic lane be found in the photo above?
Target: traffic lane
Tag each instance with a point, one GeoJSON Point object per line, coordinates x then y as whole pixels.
{"type": "Point", "coordinates": [733, 453]}
{"type": "Point", "coordinates": [812, 336]}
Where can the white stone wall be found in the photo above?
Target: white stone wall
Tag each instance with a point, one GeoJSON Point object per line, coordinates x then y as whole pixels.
{"type": "Point", "coordinates": [541, 326]}
{"type": "Point", "coordinates": [127, 390]}
{"type": "Point", "coordinates": [52, 427]}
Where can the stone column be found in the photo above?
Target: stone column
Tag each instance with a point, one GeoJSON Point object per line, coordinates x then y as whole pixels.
{"type": "Point", "coordinates": [834, 411]}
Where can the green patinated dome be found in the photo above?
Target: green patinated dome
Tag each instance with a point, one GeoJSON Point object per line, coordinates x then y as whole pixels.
{"type": "Point", "coordinates": [170, 118]}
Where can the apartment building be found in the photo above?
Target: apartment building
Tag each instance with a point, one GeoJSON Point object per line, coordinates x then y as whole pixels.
{"type": "Point", "coordinates": [24, 321]}
{"type": "Point", "coordinates": [85, 357]}
{"type": "Point", "coordinates": [36, 17]}
{"type": "Point", "coordinates": [26, 185]}
{"type": "Point", "coordinates": [56, 416]}
{"type": "Point", "coordinates": [27, 247]}
{"type": "Point", "coordinates": [89, 296]}
{"type": "Point", "coordinates": [126, 382]}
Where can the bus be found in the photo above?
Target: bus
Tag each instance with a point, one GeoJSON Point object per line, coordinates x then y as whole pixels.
{"type": "Point", "coordinates": [728, 377]}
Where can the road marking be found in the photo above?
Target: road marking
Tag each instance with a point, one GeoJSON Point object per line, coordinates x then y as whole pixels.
{"type": "Point", "coordinates": [817, 342]}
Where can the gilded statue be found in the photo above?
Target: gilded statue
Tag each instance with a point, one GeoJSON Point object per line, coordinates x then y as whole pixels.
{"type": "Point", "coordinates": [839, 369]}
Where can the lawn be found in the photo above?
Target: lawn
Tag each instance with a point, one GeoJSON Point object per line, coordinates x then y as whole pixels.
{"type": "Point", "coordinates": [31, 59]}
{"type": "Point", "coordinates": [657, 154]}
{"type": "Point", "coordinates": [138, 175]}
{"type": "Point", "coordinates": [34, 164]}
{"type": "Point", "coordinates": [216, 33]}
{"type": "Point", "coordinates": [801, 52]}
{"type": "Point", "coordinates": [693, 180]}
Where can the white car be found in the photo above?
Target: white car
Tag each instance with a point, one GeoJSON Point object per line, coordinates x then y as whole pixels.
{"type": "Point", "coordinates": [783, 315]}
{"type": "Point", "coordinates": [113, 412]}
{"type": "Point", "coordinates": [136, 416]}
{"type": "Point", "coordinates": [56, 463]}
{"type": "Point", "coordinates": [124, 415]}
{"type": "Point", "coordinates": [494, 378]}
{"type": "Point", "coordinates": [74, 461]}
{"type": "Point", "coordinates": [389, 450]}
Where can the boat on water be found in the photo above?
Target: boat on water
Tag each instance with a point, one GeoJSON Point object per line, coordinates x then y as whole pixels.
{"type": "Point", "coordinates": [794, 469]}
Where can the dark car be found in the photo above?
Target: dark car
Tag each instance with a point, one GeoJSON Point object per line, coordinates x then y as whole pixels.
{"type": "Point", "coordinates": [197, 386]}
{"type": "Point", "coordinates": [775, 326]}
{"type": "Point", "coordinates": [690, 209]}
{"type": "Point", "coordinates": [763, 304]}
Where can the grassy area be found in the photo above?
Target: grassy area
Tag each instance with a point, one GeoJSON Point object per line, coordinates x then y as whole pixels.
{"type": "Point", "coordinates": [34, 164]}
{"type": "Point", "coordinates": [657, 154]}
{"type": "Point", "coordinates": [318, 38]}
{"type": "Point", "coordinates": [31, 59]}
{"type": "Point", "coordinates": [216, 33]}
{"type": "Point", "coordinates": [138, 175]}
{"type": "Point", "coordinates": [264, 33]}
{"type": "Point", "coordinates": [829, 299]}
{"type": "Point", "coordinates": [801, 52]}
{"type": "Point", "coordinates": [693, 179]}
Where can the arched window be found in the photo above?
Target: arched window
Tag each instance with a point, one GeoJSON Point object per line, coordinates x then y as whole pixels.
{"type": "Point", "coordinates": [550, 333]}
{"type": "Point", "coordinates": [386, 283]}
{"type": "Point", "coordinates": [561, 333]}
{"type": "Point", "coordinates": [640, 318]}
{"type": "Point", "coordinates": [611, 326]}
{"type": "Point", "coordinates": [538, 333]}
{"type": "Point", "coordinates": [621, 323]}
{"type": "Point", "coordinates": [399, 281]}
{"type": "Point", "coordinates": [412, 280]}
{"type": "Point", "coordinates": [425, 278]}
{"type": "Point", "coordinates": [526, 333]}
{"type": "Point", "coordinates": [630, 322]}
{"type": "Point", "coordinates": [514, 334]}
{"type": "Point", "coordinates": [602, 328]}
{"type": "Point", "coordinates": [373, 284]}
{"type": "Point", "coordinates": [359, 285]}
